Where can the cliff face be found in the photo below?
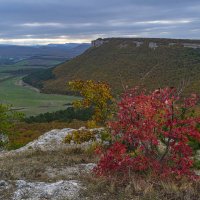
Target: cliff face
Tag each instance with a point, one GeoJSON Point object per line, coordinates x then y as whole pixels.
{"type": "Point", "coordinates": [97, 43]}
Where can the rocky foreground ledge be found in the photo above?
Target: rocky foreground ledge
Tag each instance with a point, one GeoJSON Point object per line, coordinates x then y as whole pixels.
{"type": "Point", "coordinates": [42, 170]}
{"type": "Point", "coordinates": [49, 169]}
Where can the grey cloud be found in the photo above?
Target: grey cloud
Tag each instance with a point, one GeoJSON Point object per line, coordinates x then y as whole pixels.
{"type": "Point", "coordinates": [78, 19]}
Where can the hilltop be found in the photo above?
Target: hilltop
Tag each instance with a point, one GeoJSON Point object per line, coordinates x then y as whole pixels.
{"type": "Point", "coordinates": [123, 62]}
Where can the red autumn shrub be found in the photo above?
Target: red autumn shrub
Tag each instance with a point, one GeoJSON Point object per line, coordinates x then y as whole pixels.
{"type": "Point", "coordinates": [151, 134]}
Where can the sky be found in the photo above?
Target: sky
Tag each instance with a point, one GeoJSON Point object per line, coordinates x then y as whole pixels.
{"type": "Point", "coordinates": [32, 22]}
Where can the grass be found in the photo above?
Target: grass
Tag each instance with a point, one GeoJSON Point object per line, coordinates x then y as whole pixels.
{"type": "Point", "coordinates": [30, 101]}
{"type": "Point", "coordinates": [140, 188]}
{"type": "Point", "coordinates": [32, 166]}
{"type": "Point", "coordinates": [41, 166]}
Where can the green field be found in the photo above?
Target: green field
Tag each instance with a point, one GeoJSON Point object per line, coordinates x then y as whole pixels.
{"type": "Point", "coordinates": [28, 100]}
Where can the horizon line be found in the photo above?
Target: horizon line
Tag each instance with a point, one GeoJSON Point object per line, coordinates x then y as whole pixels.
{"type": "Point", "coordinates": [16, 42]}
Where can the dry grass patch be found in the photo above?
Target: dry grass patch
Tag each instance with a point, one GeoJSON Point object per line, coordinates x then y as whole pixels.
{"type": "Point", "coordinates": [139, 188]}
{"type": "Point", "coordinates": [39, 166]}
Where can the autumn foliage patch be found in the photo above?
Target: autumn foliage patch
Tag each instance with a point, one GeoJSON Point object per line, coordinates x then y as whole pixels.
{"type": "Point", "coordinates": [151, 134]}
{"type": "Point", "coordinates": [96, 95]}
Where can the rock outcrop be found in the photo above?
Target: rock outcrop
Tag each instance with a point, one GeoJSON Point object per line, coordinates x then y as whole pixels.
{"type": "Point", "coordinates": [97, 43]}
{"type": "Point", "coordinates": [41, 190]}
{"type": "Point", "coordinates": [65, 184]}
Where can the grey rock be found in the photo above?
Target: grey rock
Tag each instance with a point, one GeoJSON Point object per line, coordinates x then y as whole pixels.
{"type": "Point", "coordinates": [51, 191]}
{"type": "Point", "coordinates": [138, 44]}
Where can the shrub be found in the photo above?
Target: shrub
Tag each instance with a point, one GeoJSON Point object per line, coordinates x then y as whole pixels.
{"type": "Point", "coordinates": [91, 124]}
{"type": "Point", "coordinates": [80, 136]}
{"type": "Point", "coordinates": [151, 135]}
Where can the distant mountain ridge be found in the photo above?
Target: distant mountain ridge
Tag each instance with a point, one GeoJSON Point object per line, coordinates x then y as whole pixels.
{"type": "Point", "coordinates": [152, 62]}
{"type": "Point", "coordinates": [68, 50]}
{"type": "Point", "coordinates": [68, 45]}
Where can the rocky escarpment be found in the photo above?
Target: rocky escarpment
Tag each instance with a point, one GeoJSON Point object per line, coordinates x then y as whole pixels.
{"type": "Point", "coordinates": [152, 43]}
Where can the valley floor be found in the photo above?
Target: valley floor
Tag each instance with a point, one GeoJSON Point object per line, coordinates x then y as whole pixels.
{"type": "Point", "coordinates": [28, 100]}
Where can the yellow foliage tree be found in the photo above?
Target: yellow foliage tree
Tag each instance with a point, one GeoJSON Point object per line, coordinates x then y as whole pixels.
{"type": "Point", "coordinates": [95, 94]}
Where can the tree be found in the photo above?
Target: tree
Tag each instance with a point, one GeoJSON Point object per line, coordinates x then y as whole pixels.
{"type": "Point", "coordinates": [96, 95]}
{"type": "Point", "coordinates": [151, 134]}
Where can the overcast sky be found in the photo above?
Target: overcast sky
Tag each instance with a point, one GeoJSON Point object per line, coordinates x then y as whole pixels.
{"type": "Point", "coordinates": [61, 21]}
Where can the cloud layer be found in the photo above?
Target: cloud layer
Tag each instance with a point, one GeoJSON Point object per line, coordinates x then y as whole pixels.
{"type": "Point", "coordinates": [60, 21]}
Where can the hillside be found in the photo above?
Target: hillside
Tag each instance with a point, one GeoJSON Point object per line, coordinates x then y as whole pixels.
{"type": "Point", "coordinates": [151, 62]}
